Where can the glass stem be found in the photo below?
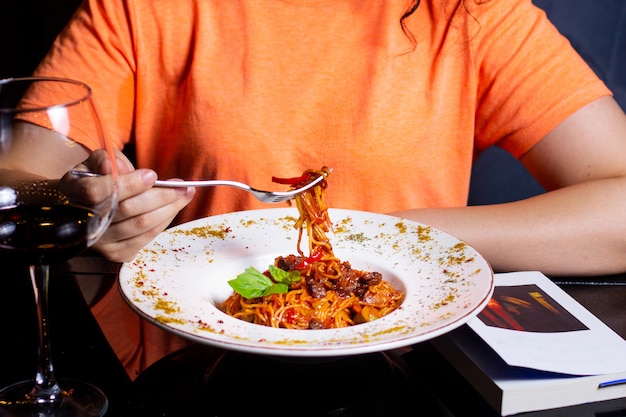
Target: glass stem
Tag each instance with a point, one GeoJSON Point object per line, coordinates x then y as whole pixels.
{"type": "Point", "coordinates": [46, 389]}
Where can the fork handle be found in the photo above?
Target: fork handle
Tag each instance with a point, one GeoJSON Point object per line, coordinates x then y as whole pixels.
{"type": "Point", "coordinates": [203, 183]}
{"type": "Point", "coordinates": [176, 183]}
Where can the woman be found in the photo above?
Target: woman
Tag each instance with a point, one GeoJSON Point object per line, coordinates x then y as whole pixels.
{"type": "Point", "coordinates": [398, 98]}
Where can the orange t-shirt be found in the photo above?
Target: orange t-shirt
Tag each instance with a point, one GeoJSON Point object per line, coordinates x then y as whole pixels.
{"type": "Point", "coordinates": [246, 90]}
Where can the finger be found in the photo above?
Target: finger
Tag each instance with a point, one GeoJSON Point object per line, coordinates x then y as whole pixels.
{"type": "Point", "coordinates": [142, 218]}
{"type": "Point", "coordinates": [124, 165]}
{"type": "Point", "coordinates": [125, 250]}
{"type": "Point", "coordinates": [152, 200]}
{"type": "Point", "coordinates": [99, 162]}
{"type": "Point", "coordinates": [135, 182]}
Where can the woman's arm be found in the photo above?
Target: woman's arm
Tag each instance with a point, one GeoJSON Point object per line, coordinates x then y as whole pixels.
{"type": "Point", "coordinates": [579, 225]}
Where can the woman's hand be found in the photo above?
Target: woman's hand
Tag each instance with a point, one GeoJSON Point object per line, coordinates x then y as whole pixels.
{"type": "Point", "coordinates": [143, 212]}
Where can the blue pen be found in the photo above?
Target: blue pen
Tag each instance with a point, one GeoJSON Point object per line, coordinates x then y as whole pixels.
{"type": "Point", "coordinates": [611, 383]}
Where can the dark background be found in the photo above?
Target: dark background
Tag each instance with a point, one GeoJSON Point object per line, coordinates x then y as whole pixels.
{"type": "Point", "coordinates": [27, 29]}
{"type": "Point", "coordinates": [596, 28]}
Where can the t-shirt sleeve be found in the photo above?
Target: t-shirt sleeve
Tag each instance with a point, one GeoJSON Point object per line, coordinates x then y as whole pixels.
{"type": "Point", "coordinates": [97, 49]}
{"type": "Point", "coordinates": [530, 77]}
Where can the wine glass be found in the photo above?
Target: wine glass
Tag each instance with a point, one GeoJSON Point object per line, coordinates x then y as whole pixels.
{"type": "Point", "coordinates": [49, 214]}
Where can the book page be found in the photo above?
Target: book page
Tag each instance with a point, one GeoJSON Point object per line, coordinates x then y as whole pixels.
{"type": "Point", "coordinates": [530, 322]}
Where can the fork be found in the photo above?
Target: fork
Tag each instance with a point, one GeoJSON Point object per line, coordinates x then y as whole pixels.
{"type": "Point", "coordinates": [271, 197]}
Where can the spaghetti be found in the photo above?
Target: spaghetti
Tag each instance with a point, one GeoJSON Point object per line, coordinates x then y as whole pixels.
{"type": "Point", "coordinates": [326, 293]}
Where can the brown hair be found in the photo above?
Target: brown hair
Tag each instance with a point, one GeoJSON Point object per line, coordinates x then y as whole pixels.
{"type": "Point", "coordinates": [411, 9]}
{"type": "Point", "coordinates": [460, 4]}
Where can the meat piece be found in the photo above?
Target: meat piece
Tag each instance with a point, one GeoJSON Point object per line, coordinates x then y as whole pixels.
{"type": "Point", "coordinates": [372, 278]}
{"type": "Point", "coordinates": [316, 324]}
{"type": "Point", "coordinates": [317, 287]}
{"type": "Point", "coordinates": [287, 263]}
{"type": "Point", "coordinates": [353, 281]}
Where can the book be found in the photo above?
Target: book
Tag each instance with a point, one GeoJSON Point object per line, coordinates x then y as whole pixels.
{"type": "Point", "coordinates": [533, 347]}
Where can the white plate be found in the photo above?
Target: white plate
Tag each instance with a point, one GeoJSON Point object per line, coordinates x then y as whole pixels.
{"type": "Point", "coordinates": [177, 281]}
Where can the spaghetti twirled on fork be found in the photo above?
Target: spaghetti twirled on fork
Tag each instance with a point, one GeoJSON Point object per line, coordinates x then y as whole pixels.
{"type": "Point", "coordinates": [330, 293]}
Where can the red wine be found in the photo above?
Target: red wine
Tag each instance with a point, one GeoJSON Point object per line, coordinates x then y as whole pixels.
{"type": "Point", "coordinates": [44, 234]}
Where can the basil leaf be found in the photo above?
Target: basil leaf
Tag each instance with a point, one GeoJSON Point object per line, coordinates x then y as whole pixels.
{"type": "Point", "coordinates": [283, 276]}
{"type": "Point", "coordinates": [251, 283]}
{"type": "Point", "coordinates": [279, 288]}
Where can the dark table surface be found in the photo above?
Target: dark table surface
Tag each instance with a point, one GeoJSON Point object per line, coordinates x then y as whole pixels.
{"type": "Point", "coordinates": [204, 380]}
